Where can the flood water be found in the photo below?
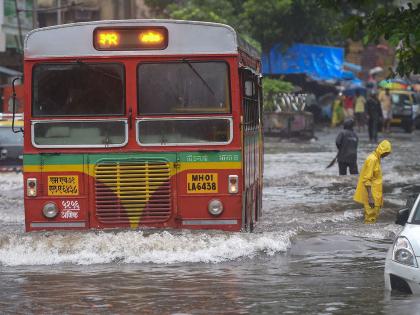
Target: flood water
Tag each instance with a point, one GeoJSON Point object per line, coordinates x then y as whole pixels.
{"type": "Point", "coordinates": [310, 254]}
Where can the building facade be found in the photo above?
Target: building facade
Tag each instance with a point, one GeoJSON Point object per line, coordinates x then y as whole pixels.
{"type": "Point", "coordinates": [53, 12]}
{"type": "Point", "coordinates": [15, 23]}
{"type": "Point", "coordinates": [16, 20]}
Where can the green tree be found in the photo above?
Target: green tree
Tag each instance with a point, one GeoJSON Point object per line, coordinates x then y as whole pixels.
{"type": "Point", "coordinates": [204, 10]}
{"type": "Point", "coordinates": [264, 20]}
{"type": "Point", "coordinates": [272, 88]}
{"type": "Point", "coordinates": [291, 21]}
{"type": "Point", "coordinates": [221, 11]}
{"type": "Point", "coordinates": [372, 20]}
{"type": "Point", "coordinates": [267, 21]}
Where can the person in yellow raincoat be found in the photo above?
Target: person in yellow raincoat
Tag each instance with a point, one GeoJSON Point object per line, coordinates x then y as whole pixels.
{"type": "Point", "coordinates": [369, 188]}
{"type": "Point", "coordinates": [337, 111]}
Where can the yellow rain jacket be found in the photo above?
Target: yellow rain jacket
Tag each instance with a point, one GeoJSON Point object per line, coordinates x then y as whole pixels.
{"type": "Point", "coordinates": [371, 175]}
{"type": "Point", "coordinates": [337, 112]}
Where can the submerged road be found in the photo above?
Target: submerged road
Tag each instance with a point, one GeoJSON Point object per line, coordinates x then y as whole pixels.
{"type": "Point", "coordinates": [310, 254]}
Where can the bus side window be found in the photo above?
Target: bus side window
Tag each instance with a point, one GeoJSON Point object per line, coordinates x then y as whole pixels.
{"type": "Point", "coordinates": [260, 100]}
{"type": "Point", "coordinates": [251, 88]}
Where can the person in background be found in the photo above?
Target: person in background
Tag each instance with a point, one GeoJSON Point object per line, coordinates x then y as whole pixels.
{"type": "Point", "coordinates": [374, 114]}
{"type": "Point", "coordinates": [359, 111]}
{"type": "Point", "coordinates": [337, 116]}
{"type": "Point", "coordinates": [346, 143]}
{"type": "Point", "coordinates": [369, 187]}
{"type": "Point", "coordinates": [386, 104]}
{"type": "Point", "coordinates": [348, 106]}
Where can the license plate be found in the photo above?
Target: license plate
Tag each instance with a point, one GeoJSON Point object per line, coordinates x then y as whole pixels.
{"type": "Point", "coordinates": [63, 185]}
{"type": "Point", "coordinates": [202, 183]}
{"type": "Point", "coordinates": [396, 121]}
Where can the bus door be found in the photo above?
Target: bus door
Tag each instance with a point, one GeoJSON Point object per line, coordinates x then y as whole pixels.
{"type": "Point", "coordinates": [251, 145]}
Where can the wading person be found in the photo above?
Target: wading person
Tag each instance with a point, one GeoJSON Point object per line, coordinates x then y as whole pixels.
{"type": "Point", "coordinates": [337, 111]}
{"type": "Point", "coordinates": [374, 114]}
{"type": "Point", "coordinates": [386, 104]}
{"type": "Point", "coordinates": [359, 111]}
{"type": "Point", "coordinates": [369, 188]}
{"type": "Point", "coordinates": [348, 106]}
{"type": "Point", "coordinates": [347, 142]}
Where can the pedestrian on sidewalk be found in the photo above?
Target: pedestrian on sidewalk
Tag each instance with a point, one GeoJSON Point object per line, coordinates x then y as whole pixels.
{"type": "Point", "coordinates": [359, 111]}
{"type": "Point", "coordinates": [374, 114]}
{"type": "Point", "coordinates": [369, 188]}
{"type": "Point", "coordinates": [346, 143]}
{"type": "Point", "coordinates": [386, 105]}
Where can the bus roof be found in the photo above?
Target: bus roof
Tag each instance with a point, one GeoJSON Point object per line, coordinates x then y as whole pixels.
{"type": "Point", "coordinates": [184, 37]}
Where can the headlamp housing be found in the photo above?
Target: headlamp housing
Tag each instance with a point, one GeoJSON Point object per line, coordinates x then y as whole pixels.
{"type": "Point", "coordinates": [403, 253]}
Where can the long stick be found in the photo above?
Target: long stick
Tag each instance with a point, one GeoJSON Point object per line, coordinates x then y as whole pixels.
{"type": "Point", "coordinates": [332, 162]}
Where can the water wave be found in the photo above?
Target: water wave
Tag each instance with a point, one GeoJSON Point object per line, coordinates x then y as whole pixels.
{"type": "Point", "coordinates": [137, 247]}
{"type": "Point", "coordinates": [377, 231]}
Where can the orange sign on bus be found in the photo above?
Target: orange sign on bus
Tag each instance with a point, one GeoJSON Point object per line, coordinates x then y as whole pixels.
{"type": "Point", "coordinates": [151, 37]}
{"type": "Point", "coordinates": [130, 38]}
{"type": "Point", "coordinates": [108, 39]}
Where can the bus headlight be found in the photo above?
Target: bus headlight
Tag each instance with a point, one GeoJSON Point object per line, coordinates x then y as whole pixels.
{"type": "Point", "coordinates": [50, 210]}
{"type": "Point", "coordinates": [31, 187]}
{"type": "Point", "coordinates": [233, 184]}
{"type": "Point", "coordinates": [403, 252]}
{"type": "Point", "coordinates": [215, 207]}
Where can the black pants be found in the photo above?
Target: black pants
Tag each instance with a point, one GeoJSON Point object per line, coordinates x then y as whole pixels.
{"type": "Point", "coordinates": [373, 129]}
{"type": "Point", "coordinates": [342, 168]}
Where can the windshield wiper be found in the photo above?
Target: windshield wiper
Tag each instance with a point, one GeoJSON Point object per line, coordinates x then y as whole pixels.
{"type": "Point", "coordinates": [93, 69]}
{"type": "Point", "coordinates": [200, 77]}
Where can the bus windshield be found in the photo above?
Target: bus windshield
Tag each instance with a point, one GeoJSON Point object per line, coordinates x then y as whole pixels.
{"type": "Point", "coordinates": [78, 89]}
{"type": "Point", "coordinates": [183, 87]}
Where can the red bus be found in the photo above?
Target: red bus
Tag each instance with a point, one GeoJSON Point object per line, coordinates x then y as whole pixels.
{"type": "Point", "coordinates": [142, 123]}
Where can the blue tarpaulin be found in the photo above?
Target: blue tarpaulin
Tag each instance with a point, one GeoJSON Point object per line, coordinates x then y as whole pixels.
{"type": "Point", "coordinates": [319, 62]}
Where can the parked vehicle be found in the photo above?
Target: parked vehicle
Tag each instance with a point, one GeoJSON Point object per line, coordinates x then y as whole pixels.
{"type": "Point", "coordinates": [11, 144]}
{"type": "Point", "coordinates": [402, 271]}
{"type": "Point", "coordinates": [416, 110]}
{"type": "Point", "coordinates": [403, 109]}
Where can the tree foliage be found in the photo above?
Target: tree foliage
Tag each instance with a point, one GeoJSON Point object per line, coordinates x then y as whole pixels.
{"type": "Point", "coordinates": [267, 21]}
{"type": "Point", "coordinates": [272, 88]}
{"type": "Point", "coordinates": [373, 20]}
{"type": "Point", "coordinates": [291, 21]}
{"type": "Point", "coordinates": [204, 10]}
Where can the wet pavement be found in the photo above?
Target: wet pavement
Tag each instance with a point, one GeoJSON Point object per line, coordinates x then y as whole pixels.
{"type": "Point", "coordinates": [310, 254]}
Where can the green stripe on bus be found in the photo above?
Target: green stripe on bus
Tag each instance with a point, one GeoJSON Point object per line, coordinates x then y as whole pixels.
{"type": "Point", "coordinates": [65, 159]}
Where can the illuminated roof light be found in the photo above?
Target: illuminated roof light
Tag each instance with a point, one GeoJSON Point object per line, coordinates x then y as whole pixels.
{"type": "Point", "coordinates": [109, 39]}
{"type": "Point", "coordinates": [151, 37]}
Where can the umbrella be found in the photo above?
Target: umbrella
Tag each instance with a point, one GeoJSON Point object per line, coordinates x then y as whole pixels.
{"type": "Point", "coordinates": [351, 90]}
{"type": "Point", "coordinates": [394, 84]}
{"type": "Point", "coordinates": [376, 70]}
{"type": "Point", "coordinates": [326, 99]}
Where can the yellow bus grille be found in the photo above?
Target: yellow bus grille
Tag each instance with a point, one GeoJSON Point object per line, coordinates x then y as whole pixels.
{"type": "Point", "coordinates": [132, 192]}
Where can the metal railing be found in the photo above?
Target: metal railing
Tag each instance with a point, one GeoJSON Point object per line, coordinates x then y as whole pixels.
{"type": "Point", "coordinates": [286, 102]}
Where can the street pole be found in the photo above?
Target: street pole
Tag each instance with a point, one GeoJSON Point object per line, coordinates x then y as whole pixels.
{"type": "Point", "coordinates": [58, 12]}
{"type": "Point", "coordinates": [19, 26]}
{"type": "Point", "coordinates": [34, 14]}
